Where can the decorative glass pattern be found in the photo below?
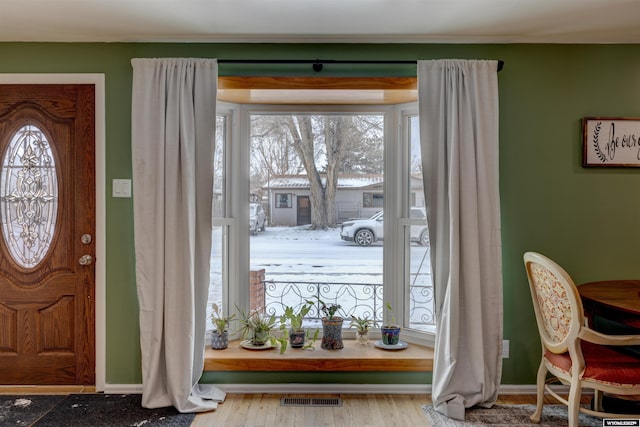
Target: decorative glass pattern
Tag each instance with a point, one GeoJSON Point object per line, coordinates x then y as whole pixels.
{"type": "Point", "coordinates": [28, 196]}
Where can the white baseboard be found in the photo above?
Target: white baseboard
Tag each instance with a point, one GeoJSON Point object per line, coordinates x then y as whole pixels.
{"type": "Point", "coordinates": [123, 389]}
{"type": "Point", "coordinates": [517, 389]}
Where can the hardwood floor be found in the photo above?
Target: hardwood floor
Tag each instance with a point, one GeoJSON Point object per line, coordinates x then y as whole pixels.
{"type": "Point", "coordinates": [372, 410]}
{"type": "Point", "coordinates": [264, 410]}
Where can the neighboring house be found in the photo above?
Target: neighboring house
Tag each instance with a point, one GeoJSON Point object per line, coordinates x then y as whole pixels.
{"type": "Point", "coordinates": [357, 196]}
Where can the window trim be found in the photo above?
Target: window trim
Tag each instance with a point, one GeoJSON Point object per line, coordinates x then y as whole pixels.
{"type": "Point", "coordinates": [402, 114]}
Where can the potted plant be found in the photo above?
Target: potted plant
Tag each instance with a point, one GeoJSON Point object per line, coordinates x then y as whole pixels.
{"type": "Point", "coordinates": [297, 333]}
{"type": "Point", "coordinates": [258, 330]}
{"type": "Point", "coordinates": [390, 331]}
{"type": "Point", "coordinates": [220, 335]}
{"type": "Point", "coordinates": [362, 325]}
{"type": "Point", "coordinates": [331, 327]}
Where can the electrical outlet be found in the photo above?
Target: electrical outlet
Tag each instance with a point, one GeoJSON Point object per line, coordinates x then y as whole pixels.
{"type": "Point", "coordinates": [505, 349]}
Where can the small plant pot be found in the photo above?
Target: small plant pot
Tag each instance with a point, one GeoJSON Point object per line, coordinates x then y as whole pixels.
{"type": "Point", "coordinates": [390, 335]}
{"type": "Point", "coordinates": [297, 338]}
{"type": "Point", "coordinates": [332, 334]}
{"type": "Point", "coordinates": [362, 337]}
{"type": "Point", "coordinates": [260, 338]}
{"type": "Point", "coordinates": [219, 341]}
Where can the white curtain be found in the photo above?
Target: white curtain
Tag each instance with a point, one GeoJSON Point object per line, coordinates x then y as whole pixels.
{"type": "Point", "coordinates": [173, 126]}
{"type": "Point", "coordinates": [458, 113]}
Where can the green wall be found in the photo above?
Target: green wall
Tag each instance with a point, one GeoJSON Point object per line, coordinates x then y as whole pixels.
{"type": "Point", "coordinates": [586, 219]}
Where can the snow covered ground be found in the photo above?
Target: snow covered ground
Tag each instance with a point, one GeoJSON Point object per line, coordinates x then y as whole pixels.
{"type": "Point", "coordinates": [299, 254]}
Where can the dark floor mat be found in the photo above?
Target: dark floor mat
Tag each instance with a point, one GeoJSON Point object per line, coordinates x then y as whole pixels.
{"type": "Point", "coordinates": [111, 410]}
{"type": "Point", "coordinates": [25, 410]}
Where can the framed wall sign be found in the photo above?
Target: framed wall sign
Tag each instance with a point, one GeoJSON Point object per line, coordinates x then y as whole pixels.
{"type": "Point", "coordinates": [611, 142]}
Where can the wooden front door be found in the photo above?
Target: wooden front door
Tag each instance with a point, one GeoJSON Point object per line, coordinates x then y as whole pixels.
{"type": "Point", "coordinates": [47, 212]}
{"type": "Point", "coordinates": [304, 210]}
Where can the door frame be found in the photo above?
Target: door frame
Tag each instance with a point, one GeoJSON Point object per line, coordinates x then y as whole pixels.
{"type": "Point", "coordinates": [97, 80]}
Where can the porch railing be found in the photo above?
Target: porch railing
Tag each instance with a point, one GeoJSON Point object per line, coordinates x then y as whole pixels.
{"type": "Point", "coordinates": [358, 299]}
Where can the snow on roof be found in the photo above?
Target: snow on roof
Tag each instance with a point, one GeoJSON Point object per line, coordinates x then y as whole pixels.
{"type": "Point", "coordinates": [344, 181]}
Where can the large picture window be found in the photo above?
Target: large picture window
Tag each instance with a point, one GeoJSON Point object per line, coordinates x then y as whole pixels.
{"type": "Point", "coordinates": [322, 176]}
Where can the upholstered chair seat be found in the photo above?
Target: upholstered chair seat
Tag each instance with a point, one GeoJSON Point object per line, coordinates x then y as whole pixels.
{"type": "Point", "coordinates": [603, 364]}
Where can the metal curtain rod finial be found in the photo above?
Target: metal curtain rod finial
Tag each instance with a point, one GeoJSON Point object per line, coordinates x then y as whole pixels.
{"type": "Point", "coordinates": [318, 64]}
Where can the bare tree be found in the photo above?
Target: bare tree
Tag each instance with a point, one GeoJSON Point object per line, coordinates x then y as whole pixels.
{"type": "Point", "coordinates": [301, 130]}
{"type": "Point", "coordinates": [365, 153]}
{"type": "Point", "coordinates": [323, 146]}
{"type": "Point", "coordinates": [336, 141]}
{"type": "Point", "coordinates": [272, 153]}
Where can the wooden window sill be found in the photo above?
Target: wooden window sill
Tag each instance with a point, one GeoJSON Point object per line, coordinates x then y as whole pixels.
{"type": "Point", "coordinates": [353, 357]}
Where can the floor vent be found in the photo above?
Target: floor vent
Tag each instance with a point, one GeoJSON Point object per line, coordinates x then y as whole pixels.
{"type": "Point", "coordinates": [311, 401]}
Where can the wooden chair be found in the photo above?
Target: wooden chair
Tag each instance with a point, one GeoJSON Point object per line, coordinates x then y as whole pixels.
{"type": "Point", "coordinates": [572, 352]}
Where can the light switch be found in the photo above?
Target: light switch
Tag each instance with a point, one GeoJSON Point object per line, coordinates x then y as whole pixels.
{"type": "Point", "coordinates": [121, 187]}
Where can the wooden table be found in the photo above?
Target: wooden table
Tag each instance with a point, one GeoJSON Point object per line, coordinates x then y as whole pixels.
{"type": "Point", "coordinates": [617, 300]}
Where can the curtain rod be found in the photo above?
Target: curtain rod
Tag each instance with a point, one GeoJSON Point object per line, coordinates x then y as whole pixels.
{"type": "Point", "coordinates": [317, 64]}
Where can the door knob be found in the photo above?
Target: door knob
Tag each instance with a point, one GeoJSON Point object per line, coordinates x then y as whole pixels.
{"type": "Point", "coordinates": [85, 260]}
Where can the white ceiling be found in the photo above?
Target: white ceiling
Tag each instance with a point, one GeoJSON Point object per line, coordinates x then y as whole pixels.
{"type": "Point", "coordinates": [428, 21]}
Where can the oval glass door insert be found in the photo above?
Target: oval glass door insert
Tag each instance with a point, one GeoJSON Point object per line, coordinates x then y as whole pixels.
{"type": "Point", "coordinates": [28, 196]}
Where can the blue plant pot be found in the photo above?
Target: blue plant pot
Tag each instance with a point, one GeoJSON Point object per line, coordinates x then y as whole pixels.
{"type": "Point", "coordinates": [390, 335]}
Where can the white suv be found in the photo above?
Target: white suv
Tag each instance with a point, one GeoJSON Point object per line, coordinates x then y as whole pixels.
{"type": "Point", "coordinates": [257, 218]}
{"type": "Point", "coordinates": [364, 232]}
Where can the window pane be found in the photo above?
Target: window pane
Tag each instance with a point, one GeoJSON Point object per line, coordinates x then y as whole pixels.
{"type": "Point", "coordinates": [220, 230]}
{"type": "Point", "coordinates": [283, 200]}
{"type": "Point", "coordinates": [219, 169]}
{"type": "Point", "coordinates": [373, 200]}
{"type": "Point", "coordinates": [328, 242]}
{"type": "Point", "coordinates": [419, 291]}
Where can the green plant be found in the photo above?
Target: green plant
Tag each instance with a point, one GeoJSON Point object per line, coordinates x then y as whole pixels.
{"type": "Point", "coordinates": [295, 318]}
{"type": "Point", "coordinates": [390, 332]}
{"type": "Point", "coordinates": [329, 310]}
{"type": "Point", "coordinates": [362, 324]}
{"type": "Point", "coordinates": [295, 322]}
{"type": "Point", "coordinates": [311, 339]}
{"type": "Point", "coordinates": [393, 318]}
{"type": "Point", "coordinates": [220, 321]}
{"type": "Point", "coordinates": [257, 322]}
